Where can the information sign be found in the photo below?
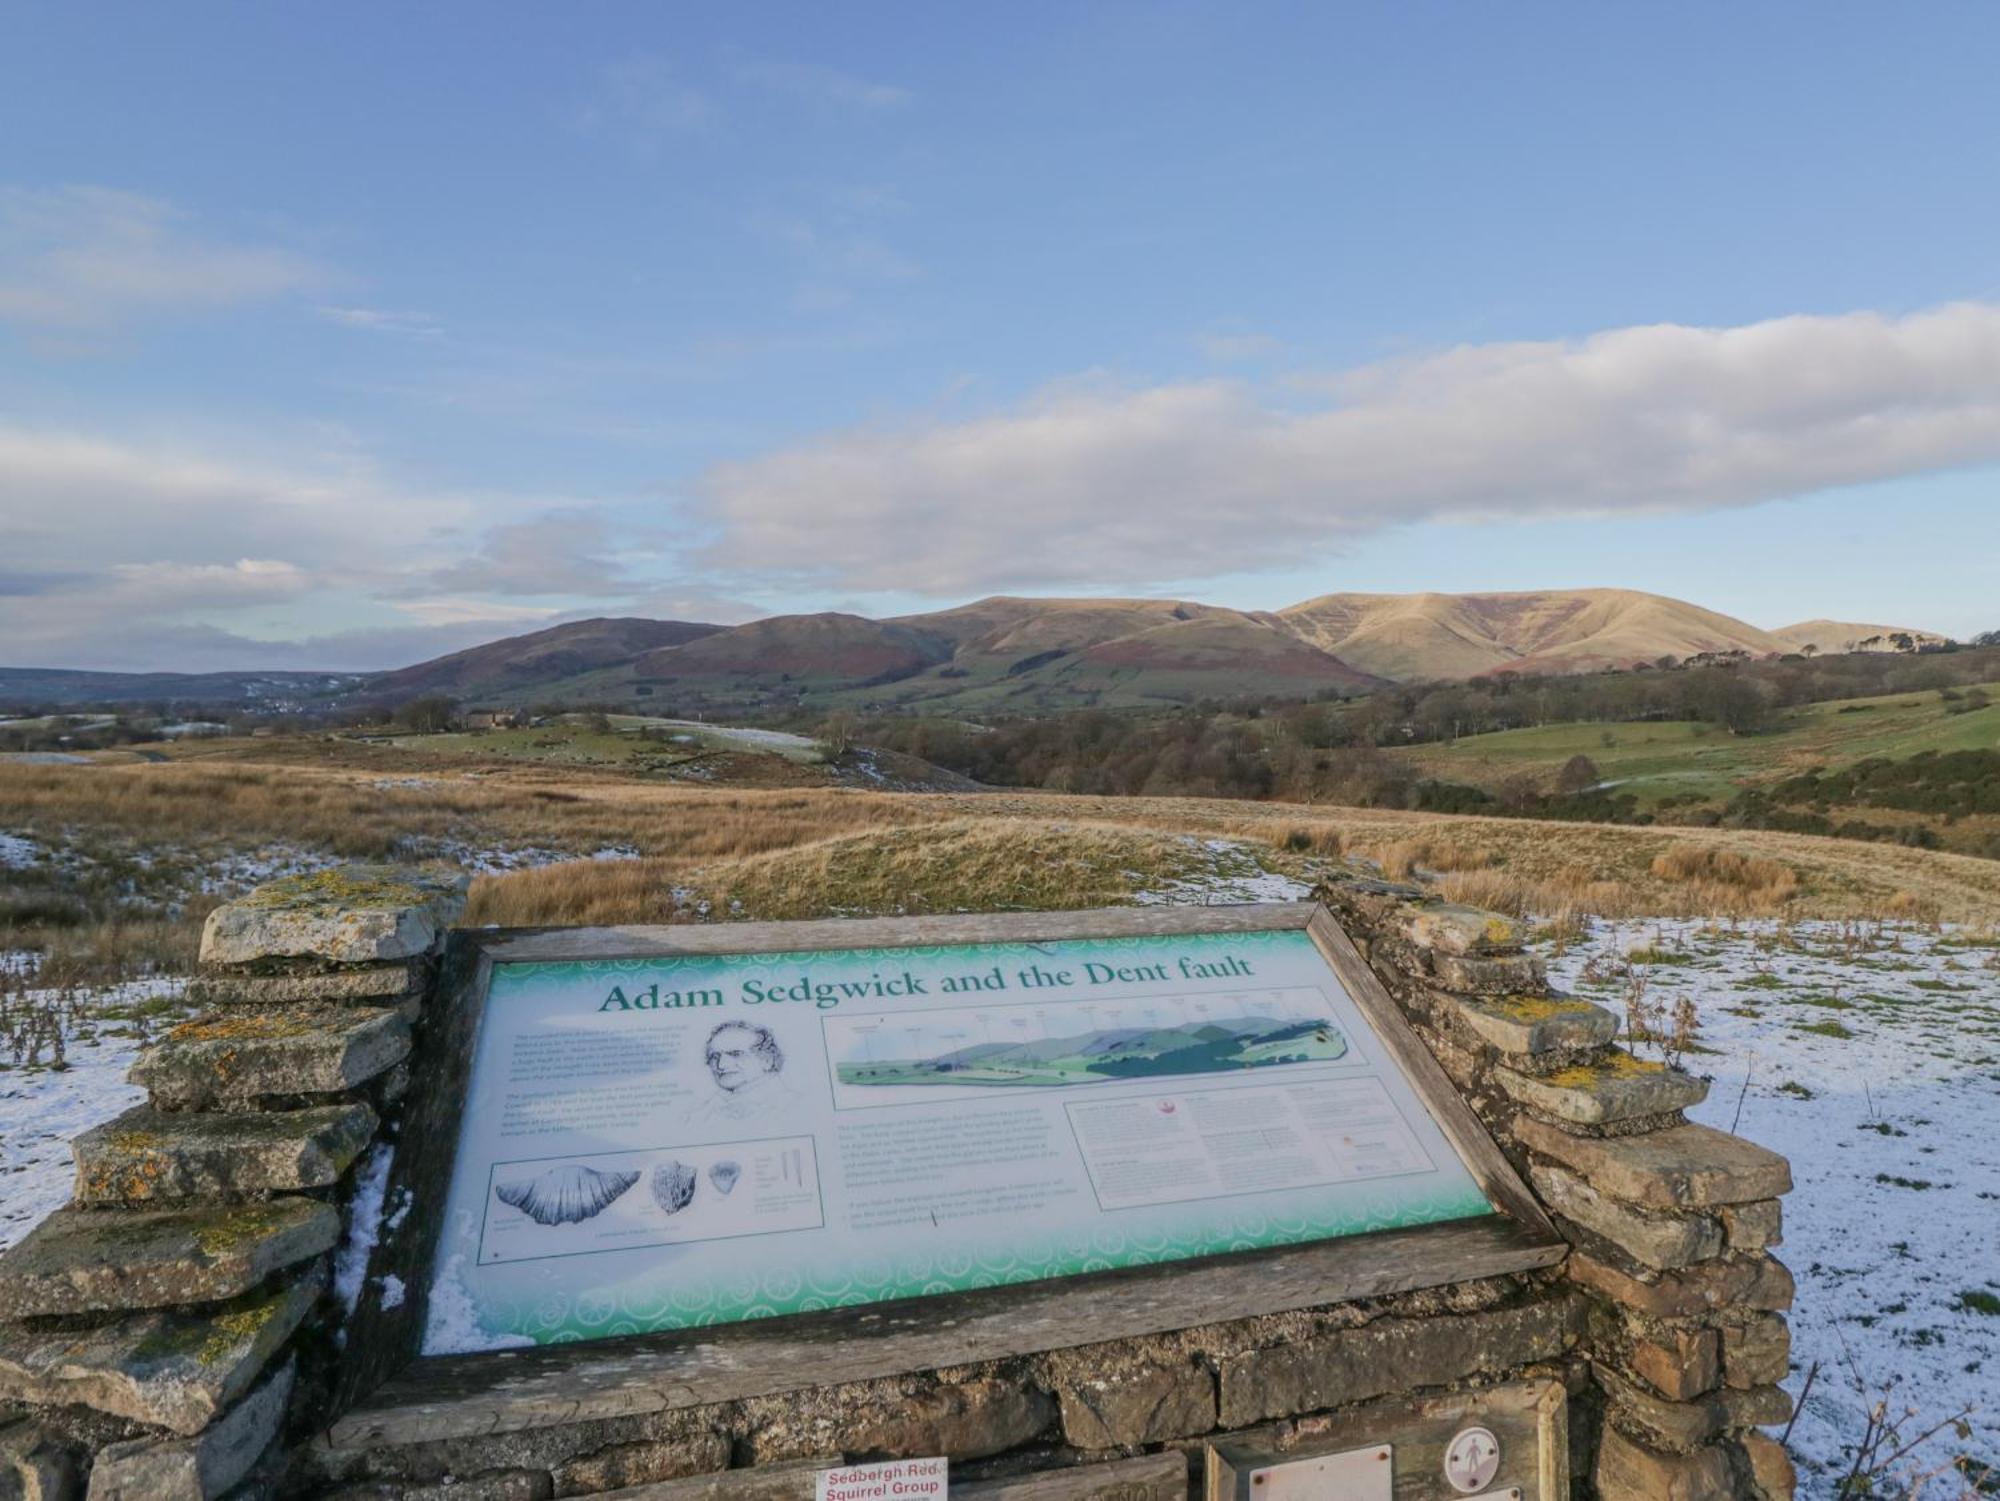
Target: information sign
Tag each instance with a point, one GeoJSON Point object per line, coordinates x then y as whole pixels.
{"type": "Point", "coordinates": [665, 1142]}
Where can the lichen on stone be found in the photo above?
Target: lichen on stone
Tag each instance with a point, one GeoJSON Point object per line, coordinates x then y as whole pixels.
{"type": "Point", "coordinates": [347, 886]}
{"type": "Point", "coordinates": [1615, 1065]}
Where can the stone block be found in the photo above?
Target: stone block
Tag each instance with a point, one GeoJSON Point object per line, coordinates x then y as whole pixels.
{"type": "Point", "coordinates": [1500, 974]}
{"type": "Point", "coordinates": [88, 1261]}
{"type": "Point", "coordinates": [1616, 1088]}
{"type": "Point", "coordinates": [35, 1466]}
{"type": "Point", "coordinates": [1759, 1282]}
{"type": "Point", "coordinates": [1678, 1363]}
{"type": "Point", "coordinates": [1693, 1423]}
{"type": "Point", "coordinates": [1530, 1025]}
{"type": "Point", "coordinates": [1770, 1467]}
{"type": "Point", "coordinates": [497, 1485]}
{"type": "Point", "coordinates": [1630, 1471]}
{"type": "Point", "coordinates": [1142, 1404]}
{"type": "Point", "coordinates": [372, 984]}
{"type": "Point", "coordinates": [642, 1464]}
{"type": "Point", "coordinates": [145, 1156]}
{"type": "Point", "coordinates": [966, 1420]}
{"type": "Point", "coordinates": [232, 1058]}
{"type": "Point", "coordinates": [1388, 1355]}
{"type": "Point", "coordinates": [1754, 1227]}
{"type": "Point", "coordinates": [1757, 1351]}
{"type": "Point", "coordinates": [356, 914]}
{"type": "Point", "coordinates": [172, 1370]}
{"type": "Point", "coordinates": [1451, 928]}
{"type": "Point", "coordinates": [199, 1468]}
{"type": "Point", "coordinates": [1663, 1241]}
{"type": "Point", "coordinates": [1681, 1167]}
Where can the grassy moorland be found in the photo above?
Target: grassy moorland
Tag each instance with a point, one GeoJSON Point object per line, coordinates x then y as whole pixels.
{"type": "Point", "coordinates": [115, 862]}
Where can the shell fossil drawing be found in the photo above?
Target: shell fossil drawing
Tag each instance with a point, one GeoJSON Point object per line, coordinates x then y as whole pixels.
{"type": "Point", "coordinates": [723, 1175]}
{"type": "Point", "coordinates": [673, 1185]}
{"type": "Point", "coordinates": [565, 1195]}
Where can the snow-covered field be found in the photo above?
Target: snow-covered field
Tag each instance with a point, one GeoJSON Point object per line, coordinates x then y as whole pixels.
{"type": "Point", "coordinates": [1870, 1056]}
{"type": "Point", "coordinates": [41, 1109]}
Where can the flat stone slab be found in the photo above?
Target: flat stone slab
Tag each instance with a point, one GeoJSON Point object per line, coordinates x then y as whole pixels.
{"type": "Point", "coordinates": [1527, 1025]}
{"type": "Point", "coordinates": [354, 914]}
{"type": "Point", "coordinates": [88, 1261]}
{"type": "Point", "coordinates": [199, 1468]}
{"type": "Point", "coordinates": [1682, 1167]}
{"type": "Point", "coordinates": [1617, 1088]}
{"type": "Point", "coordinates": [1152, 1477]}
{"type": "Point", "coordinates": [1451, 928]}
{"type": "Point", "coordinates": [1660, 1241]}
{"type": "Point", "coordinates": [174, 1370]}
{"type": "Point", "coordinates": [145, 1156]}
{"type": "Point", "coordinates": [382, 984]}
{"type": "Point", "coordinates": [237, 1057]}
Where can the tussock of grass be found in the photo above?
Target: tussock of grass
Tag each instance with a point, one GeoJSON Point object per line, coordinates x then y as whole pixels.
{"type": "Point", "coordinates": [1732, 882]}
{"type": "Point", "coordinates": [966, 865]}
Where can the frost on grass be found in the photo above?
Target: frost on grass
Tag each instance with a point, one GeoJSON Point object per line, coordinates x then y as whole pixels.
{"type": "Point", "coordinates": [1870, 1056]}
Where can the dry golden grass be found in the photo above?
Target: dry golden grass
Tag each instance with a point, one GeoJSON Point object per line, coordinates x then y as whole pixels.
{"type": "Point", "coordinates": [795, 852]}
{"type": "Point", "coordinates": [963, 865]}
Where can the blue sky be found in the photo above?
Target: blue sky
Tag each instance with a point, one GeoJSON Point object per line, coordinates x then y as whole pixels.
{"type": "Point", "coordinates": [337, 336]}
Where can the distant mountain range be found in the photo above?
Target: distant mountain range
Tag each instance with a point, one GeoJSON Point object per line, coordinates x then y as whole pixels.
{"type": "Point", "coordinates": [1030, 655]}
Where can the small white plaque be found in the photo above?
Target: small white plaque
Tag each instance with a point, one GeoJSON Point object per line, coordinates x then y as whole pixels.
{"type": "Point", "coordinates": [1472, 1459]}
{"type": "Point", "coordinates": [1356, 1475]}
{"type": "Point", "coordinates": [892, 1480]}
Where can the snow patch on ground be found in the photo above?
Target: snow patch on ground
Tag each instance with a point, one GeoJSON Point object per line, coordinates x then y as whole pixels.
{"type": "Point", "coordinates": [453, 1326]}
{"type": "Point", "coordinates": [364, 1228]}
{"type": "Point", "coordinates": [500, 860]}
{"type": "Point", "coordinates": [1871, 1058]}
{"type": "Point", "coordinates": [1223, 872]}
{"type": "Point", "coordinates": [17, 853]}
{"type": "Point", "coordinates": [41, 1109]}
{"type": "Point", "coordinates": [234, 874]}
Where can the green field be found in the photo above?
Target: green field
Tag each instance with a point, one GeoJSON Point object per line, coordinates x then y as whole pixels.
{"type": "Point", "coordinates": [1682, 759]}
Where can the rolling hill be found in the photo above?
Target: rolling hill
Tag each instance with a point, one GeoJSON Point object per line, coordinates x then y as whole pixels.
{"type": "Point", "coordinates": [1008, 654]}
{"type": "Point", "coordinates": [1405, 636]}
{"type": "Point", "coordinates": [1828, 636]}
{"type": "Point", "coordinates": [554, 655]}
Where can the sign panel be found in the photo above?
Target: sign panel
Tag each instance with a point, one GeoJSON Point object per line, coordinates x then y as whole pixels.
{"type": "Point", "coordinates": [662, 1143]}
{"type": "Point", "coordinates": [892, 1480]}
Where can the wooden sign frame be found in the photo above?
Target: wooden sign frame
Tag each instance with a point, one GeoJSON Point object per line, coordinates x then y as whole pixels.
{"type": "Point", "coordinates": [766, 1356]}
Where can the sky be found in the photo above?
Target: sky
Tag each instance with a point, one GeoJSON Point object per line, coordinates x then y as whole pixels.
{"type": "Point", "coordinates": [342, 336]}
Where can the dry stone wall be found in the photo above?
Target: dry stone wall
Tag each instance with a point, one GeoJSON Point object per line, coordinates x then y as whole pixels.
{"type": "Point", "coordinates": [160, 1334]}
{"type": "Point", "coordinates": [177, 1331]}
{"type": "Point", "coordinates": [1672, 1223]}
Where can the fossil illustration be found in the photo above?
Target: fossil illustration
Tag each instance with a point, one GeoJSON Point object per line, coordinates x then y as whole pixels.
{"type": "Point", "coordinates": [724, 1175]}
{"type": "Point", "coordinates": [565, 1195]}
{"type": "Point", "coordinates": [673, 1185]}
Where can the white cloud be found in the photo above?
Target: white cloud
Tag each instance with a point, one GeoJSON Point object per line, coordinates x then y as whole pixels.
{"type": "Point", "coordinates": [133, 555]}
{"type": "Point", "coordinates": [1088, 484]}
{"type": "Point", "coordinates": [384, 321]}
{"type": "Point", "coordinates": [565, 552]}
{"type": "Point", "coordinates": [822, 85]}
{"type": "Point", "coordinates": [84, 258]}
